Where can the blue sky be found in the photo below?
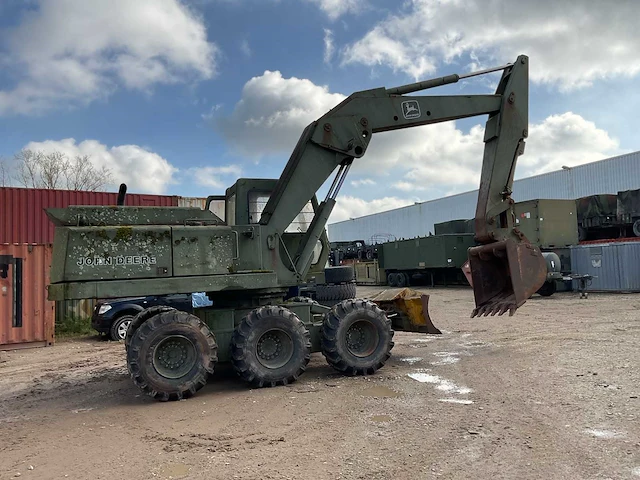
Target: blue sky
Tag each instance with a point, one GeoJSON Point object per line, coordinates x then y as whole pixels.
{"type": "Point", "coordinates": [181, 97]}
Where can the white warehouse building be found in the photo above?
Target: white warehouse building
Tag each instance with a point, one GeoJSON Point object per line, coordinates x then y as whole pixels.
{"type": "Point", "coordinates": [610, 175]}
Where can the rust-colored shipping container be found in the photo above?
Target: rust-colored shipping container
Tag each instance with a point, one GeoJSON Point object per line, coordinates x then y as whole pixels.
{"type": "Point", "coordinates": [23, 219]}
{"type": "Point", "coordinates": [27, 318]}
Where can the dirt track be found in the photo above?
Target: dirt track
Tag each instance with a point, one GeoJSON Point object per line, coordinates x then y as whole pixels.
{"type": "Point", "coordinates": [553, 392]}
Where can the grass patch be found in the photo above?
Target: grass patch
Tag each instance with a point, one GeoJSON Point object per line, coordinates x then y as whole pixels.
{"type": "Point", "coordinates": [74, 326]}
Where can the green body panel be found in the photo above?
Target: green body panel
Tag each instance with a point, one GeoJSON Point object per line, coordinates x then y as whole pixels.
{"type": "Point", "coordinates": [548, 223]}
{"type": "Point", "coordinates": [203, 250]}
{"type": "Point", "coordinates": [223, 321]}
{"type": "Point", "coordinates": [116, 215]}
{"type": "Point", "coordinates": [437, 251]}
{"type": "Point", "coordinates": [249, 282]}
{"type": "Point", "coordinates": [111, 253]}
{"type": "Point", "coordinates": [454, 226]}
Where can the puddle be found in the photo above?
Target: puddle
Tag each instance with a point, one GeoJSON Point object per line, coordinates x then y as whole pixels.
{"type": "Point", "coordinates": [177, 470]}
{"type": "Point", "coordinates": [381, 418]}
{"type": "Point", "coordinates": [380, 391]}
{"type": "Point", "coordinates": [446, 358]}
{"type": "Point", "coordinates": [456, 400]}
{"type": "Point", "coordinates": [603, 433]}
{"type": "Point", "coordinates": [441, 383]}
{"type": "Point", "coordinates": [411, 360]}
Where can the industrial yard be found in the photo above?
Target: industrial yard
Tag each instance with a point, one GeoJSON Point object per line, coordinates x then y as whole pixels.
{"type": "Point", "coordinates": [552, 392]}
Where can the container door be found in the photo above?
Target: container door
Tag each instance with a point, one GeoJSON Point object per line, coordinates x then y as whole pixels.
{"type": "Point", "coordinates": [11, 295]}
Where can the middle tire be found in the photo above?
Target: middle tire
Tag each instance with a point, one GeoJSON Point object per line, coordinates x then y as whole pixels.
{"type": "Point", "coordinates": [357, 337]}
{"type": "Point", "coordinates": [271, 346]}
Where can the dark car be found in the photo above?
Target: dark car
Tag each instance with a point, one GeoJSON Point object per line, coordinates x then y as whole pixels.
{"type": "Point", "coordinates": [112, 317]}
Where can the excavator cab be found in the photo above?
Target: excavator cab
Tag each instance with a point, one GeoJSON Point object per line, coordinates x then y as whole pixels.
{"type": "Point", "coordinates": [243, 204]}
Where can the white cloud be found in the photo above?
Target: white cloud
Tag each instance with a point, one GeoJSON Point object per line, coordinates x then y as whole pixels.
{"type": "Point", "coordinates": [245, 48]}
{"type": "Point", "coordinates": [272, 113]}
{"type": "Point", "coordinates": [435, 160]}
{"type": "Point", "coordinates": [352, 207]}
{"type": "Point", "coordinates": [566, 139]}
{"type": "Point", "coordinates": [76, 51]}
{"type": "Point", "coordinates": [569, 44]}
{"type": "Point", "coordinates": [362, 182]}
{"type": "Point", "coordinates": [213, 176]}
{"type": "Point", "coordinates": [329, 48]}
{"type": "Point", "coordinates": [143, 171]}
{"type": "Point", "coordinates": [211, 113]}
{"type": "Point", "coordinates": [334, 9]}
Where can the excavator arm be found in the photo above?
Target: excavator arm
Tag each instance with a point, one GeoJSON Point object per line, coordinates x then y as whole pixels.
{"type": "Point", "coordinates": [506, 269]}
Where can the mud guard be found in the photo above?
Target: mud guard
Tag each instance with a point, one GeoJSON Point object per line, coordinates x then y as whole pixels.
{"type": "Point", "coordinates": [407, 309]}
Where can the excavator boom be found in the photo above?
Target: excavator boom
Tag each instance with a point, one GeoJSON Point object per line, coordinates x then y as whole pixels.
{"type": "Point", "coordinates": [506, 268]}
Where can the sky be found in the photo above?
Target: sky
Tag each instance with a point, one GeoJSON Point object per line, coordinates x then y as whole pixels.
{"type": "Point", "coordinates": [182, 97]}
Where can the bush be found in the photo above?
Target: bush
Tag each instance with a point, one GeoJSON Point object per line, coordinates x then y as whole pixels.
{"type": "Point", "coordinates": [73, 325]}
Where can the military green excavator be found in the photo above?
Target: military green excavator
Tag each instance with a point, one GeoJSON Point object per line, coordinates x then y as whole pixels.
{"type": "Point", "coordinates": [273, 235]}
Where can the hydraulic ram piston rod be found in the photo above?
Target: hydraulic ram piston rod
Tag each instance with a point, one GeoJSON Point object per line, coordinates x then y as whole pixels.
{"type": "Point", "coordinates": [437, 82]}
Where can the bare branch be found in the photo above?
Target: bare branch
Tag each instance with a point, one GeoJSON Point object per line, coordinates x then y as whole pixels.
{"type": "Point", "coordinates": [54, 170]}
{"type": "Point", "coordinates": [5, 176]}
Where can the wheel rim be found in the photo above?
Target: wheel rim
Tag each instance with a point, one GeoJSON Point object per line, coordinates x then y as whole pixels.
{"type": "Point", "coordinates": [274, 348]}
{"type": "Point", "coordinates": [362, 338]}
{"type": "Point", "coordinates": [174, 356]}
{"type": "Point", "coordinates": [122, 329]}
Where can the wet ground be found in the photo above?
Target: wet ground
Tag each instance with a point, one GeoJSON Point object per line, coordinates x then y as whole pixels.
{"type": "Point", "coordinates": [552, 392]}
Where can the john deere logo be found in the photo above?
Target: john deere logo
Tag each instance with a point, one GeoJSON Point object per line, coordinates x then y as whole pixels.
{"type": "Point", "coordinates": [410, 109]}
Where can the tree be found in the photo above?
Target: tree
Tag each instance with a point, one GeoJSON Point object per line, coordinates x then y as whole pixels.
{"type": "Point", "coordinates": [5, 177]}
{"type": "Point", "coordinates": [54, 170]}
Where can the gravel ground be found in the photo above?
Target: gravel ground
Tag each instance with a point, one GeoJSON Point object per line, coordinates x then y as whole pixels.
{"type": "Point", "coordinates": [552, 392]}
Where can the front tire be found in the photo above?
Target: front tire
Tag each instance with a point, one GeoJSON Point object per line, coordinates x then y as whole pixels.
{"type": "Point", "coordinates": [171, 355]}
{"type": "Point", "coordinates": [357, 337]}
{"type": "Point", "coordinates": [142, 317]}
{"type": "Point", "coordinates": [270, 347]}
{"type": "Point", "coordinates": [118, 330]}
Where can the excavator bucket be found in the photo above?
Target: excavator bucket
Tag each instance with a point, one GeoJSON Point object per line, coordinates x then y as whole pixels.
{"type": "Point", "coordinates": [504, 275]}
{"type": "Point", "coordinates": [407, 309]}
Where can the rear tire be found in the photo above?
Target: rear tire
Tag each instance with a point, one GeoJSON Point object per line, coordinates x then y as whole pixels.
{"type": "Point", "coordinates": [171, 355]}
{"type": "Point", "coordinates": [341, 274]}
{"type": "Point", "coordinates": [636, 228]}
{"type": "Point", "coordinates": [401, 280]}
{"type": "Point", "coordinates": [270, 347]}
{"type": "Point", "coordinates": [357, 337]}
{"type": "Point", "coordinates": [119, 328]}
{"type": "Point", "coordinates": [336, 292]}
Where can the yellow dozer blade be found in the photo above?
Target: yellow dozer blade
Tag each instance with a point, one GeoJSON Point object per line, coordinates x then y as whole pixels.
{"type": "Point", "coordinates": [407, 309]}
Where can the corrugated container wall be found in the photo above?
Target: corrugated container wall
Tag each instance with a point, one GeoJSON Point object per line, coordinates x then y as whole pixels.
{"type": "Point", "coordinates": [605, 176]}
{"type": "Point", "coordinates": [26, 316]}
{"type": "Point", "coordinates": [616, 265]}
{"type": "Point", "coordinates": [23, 219]}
